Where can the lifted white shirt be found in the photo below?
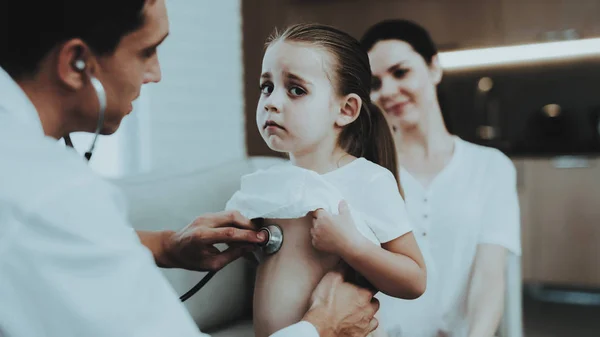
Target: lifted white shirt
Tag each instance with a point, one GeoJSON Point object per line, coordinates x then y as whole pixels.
{"type": "Point", "coordinates": [289, 192]}
{"type": "Point", "coordinates": [70, 263]}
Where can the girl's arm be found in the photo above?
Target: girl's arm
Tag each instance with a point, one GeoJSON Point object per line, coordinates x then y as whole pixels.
{"type": "Point", "coordinates": [396, 268]}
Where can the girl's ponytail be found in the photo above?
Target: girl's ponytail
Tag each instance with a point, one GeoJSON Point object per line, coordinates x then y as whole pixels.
{"type": "Point", "coordinates": [370, 136]}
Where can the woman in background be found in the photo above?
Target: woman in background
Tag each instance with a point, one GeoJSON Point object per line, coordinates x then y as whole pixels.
{"type": "Point", "coordinates": [461, 197]}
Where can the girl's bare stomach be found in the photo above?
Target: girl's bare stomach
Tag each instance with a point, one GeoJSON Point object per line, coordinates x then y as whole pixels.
{"type": "Point", "coordinates": [286, 279]}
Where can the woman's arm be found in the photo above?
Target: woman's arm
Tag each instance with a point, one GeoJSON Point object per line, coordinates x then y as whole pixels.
{"type": "Point", "coordinates": [396, 268]}
{"type": "Point", "coordinates": [486, 292]}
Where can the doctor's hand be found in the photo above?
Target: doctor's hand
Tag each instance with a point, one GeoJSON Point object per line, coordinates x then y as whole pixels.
{"type": "Point", "coordinates": [192, 248]}
{"type": "Point", "coordinates": [335, 234]}
{"type": "Point", "coordinates": [342, 309]}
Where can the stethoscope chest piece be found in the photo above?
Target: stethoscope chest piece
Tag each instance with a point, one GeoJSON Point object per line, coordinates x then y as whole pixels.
{"type": "Point", "coordinates": [274, 241]}
{"type": "Point", "coordinates": [271, 246]}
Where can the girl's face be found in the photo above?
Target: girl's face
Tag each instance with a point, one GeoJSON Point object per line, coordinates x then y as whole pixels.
{"type": "Point", "coordinates": [298, 105]}
{"type": "Point", "coordinates": [404, 85]}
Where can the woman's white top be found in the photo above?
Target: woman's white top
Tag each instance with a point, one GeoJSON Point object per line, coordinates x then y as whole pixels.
{"type": "Point", "coordinates": [289, 192]}
{"type": "Point", "coordinates": [472, 201]}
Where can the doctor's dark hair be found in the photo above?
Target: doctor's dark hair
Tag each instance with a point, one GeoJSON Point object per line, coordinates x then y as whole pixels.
{"type": "Point", "coordinates": [369, 136]}
{"type": "Point", "coordinates": [29, 30]}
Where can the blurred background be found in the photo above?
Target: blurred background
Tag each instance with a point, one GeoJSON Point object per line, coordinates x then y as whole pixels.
{"type": "Point", "coordinates": [543, 113]}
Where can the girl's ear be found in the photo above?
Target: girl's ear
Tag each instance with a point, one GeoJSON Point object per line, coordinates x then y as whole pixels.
{"type": "Point", "coordinates": [349, 110]}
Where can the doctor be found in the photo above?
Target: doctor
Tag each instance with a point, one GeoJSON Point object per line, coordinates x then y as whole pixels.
{"type": "Point", "coordinates": [70, 264]}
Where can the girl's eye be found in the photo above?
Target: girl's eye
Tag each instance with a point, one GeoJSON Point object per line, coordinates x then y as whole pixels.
{"type": "Point", "coordinates": [296, 91]}
{"type": "Point", "coordinates": [266, 88]}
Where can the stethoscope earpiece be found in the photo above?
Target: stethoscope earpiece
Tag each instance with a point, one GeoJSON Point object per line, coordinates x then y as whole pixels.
{"type": "Point", "coordinates": [79, 65]}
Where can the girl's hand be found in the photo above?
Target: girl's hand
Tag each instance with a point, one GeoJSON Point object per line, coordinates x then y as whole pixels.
{"type": "Point", "coordinates": [335, 234]}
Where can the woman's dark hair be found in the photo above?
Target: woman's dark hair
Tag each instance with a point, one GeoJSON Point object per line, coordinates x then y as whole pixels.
{"type": "Point", "coordinates": [411, 33]}
{"type": "Point", "coordinates": [402, 30]}
{"type": "Point", "coordinates": [29, 30]}
{"type": "Point", "coordinates": [370, 135]}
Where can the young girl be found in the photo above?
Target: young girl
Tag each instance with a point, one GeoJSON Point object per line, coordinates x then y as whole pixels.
{"type": "Point", "coordinates": [339, 198]}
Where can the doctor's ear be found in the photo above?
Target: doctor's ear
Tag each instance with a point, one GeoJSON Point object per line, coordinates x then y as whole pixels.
{"type": "Point", "coordinates": [349, 110]}
{"type": "Point", "coordinates": [74, 64]}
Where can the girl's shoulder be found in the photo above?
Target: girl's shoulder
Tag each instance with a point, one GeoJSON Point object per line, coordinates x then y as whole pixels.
{"type": "Point", "coordinates": [363, 169]}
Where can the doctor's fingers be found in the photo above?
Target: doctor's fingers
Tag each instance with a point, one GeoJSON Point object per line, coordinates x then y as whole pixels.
{"type": "Point", "coordinates": [374, 324]}
{"type": "Point", "coordinates": [333, 278]}
{"type": "Point", "coordinates": [225, 219]}
{"type": "Point", "coordinates": [375, 305]}
{"type": "Point", "coordinates": [228, 235]}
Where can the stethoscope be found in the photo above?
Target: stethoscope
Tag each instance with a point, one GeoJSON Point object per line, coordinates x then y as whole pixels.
{"type": "Point", "coordinates": [274, 232]}
{"type": "Point", "coordinates": [101, 94]}
{"type": "Point", "coordinates": [271, 246]}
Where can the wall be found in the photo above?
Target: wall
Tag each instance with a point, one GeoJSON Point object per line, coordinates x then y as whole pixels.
{"type": "Point", "coordinates": [194, 117]}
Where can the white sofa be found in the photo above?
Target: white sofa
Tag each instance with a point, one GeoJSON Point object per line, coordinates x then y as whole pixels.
{"type": "Point", "coordinates": [223, 307]}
